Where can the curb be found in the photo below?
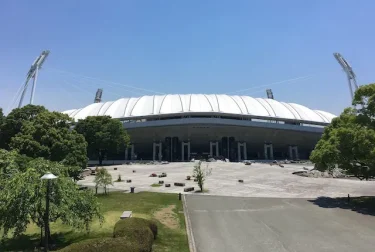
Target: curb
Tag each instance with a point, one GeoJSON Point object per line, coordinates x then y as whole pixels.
{"type": "Point", "coordinates": [189, 231]}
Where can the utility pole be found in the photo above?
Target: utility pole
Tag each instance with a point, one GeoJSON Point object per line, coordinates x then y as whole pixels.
{"type": "Point", "coordinates": [352, 82]}
{"type": "Point", "coordinates": [33, 73]}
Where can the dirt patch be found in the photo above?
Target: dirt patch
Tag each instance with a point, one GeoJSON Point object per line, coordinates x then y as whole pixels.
{"type": "Point", "coordinates": [167, 217]}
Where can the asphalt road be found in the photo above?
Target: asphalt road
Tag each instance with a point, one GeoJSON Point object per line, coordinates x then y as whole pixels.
{"type": "Point", "coordinates": [222, 224]}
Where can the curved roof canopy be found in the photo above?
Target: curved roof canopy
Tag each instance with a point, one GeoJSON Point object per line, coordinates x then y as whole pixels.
{"type": "Point", "coordinates": [155, 105]}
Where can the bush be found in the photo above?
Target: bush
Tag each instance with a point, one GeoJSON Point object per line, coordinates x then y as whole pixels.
{"type": "Point", "coordinates": [136, 230]}
{"type": "Point", "coordinates": [107, 245]}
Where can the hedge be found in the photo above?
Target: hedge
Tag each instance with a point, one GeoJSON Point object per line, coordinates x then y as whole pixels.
{"type": "Point", "coordinates": [106, 245]}
{"type": "Point", "coordinates": [135, 230]}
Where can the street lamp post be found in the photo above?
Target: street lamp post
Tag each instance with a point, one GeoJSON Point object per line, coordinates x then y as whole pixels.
{"type": "Point", "coordinates": [48, 176]}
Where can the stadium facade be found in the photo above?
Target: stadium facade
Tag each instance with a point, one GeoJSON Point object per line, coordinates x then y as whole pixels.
{"type": "Point", "coordinates": [178, 127]}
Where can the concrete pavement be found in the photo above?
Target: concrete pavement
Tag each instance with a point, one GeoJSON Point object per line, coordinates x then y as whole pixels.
{"type": "Point", "coordinates": [222, 224]}
{"type": "Point", "coordinates": [260, 180]}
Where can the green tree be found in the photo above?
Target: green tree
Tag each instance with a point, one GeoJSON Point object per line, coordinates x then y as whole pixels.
{"type": "Point", "coordinates": [11, 161]}
{"type": "Point", "coordinates": [103, 178]}
{"type": "Point", "coordinates": [22, 199]}
{"type": "Point", "coordinates": [349, 141]}
{"type": "Point", "coordinates": [201, 174]}
{"type": "Point", "coordinates": [2, 117]}
{"type": "Point", "coordinates": [13, 122]}
{"type": "Point", "coordinates": [49, 135]}
{"type": "Point", "coordinates": [103, 134]}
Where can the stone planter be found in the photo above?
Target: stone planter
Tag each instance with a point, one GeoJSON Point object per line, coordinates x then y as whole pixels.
{"type": "Point", "coordinates": [179, 184]}
{"type": "Point", "coordinates": [188, 189]}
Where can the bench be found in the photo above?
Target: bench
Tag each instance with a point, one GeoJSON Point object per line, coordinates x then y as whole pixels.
{"type": "Point", "coordinates": [126, 214]}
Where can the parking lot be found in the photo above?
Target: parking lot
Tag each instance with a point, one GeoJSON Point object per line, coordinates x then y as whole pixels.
{"type": "Point", "coordinates": [260, 180]}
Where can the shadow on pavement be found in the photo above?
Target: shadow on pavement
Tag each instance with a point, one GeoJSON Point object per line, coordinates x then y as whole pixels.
{"type": "Point", "coordinates": [364, 205]}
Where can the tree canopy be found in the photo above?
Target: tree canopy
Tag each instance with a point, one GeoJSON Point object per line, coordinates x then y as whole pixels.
{"type": "Point", "coordinates": [13, 122]}
{"type": "Point", "coordinates": [103, 135]}
{"type": "Point", "coordinates": [37, 132]}
{"type": "Point", "coordinates": [349, 141]}
{"type": "Point", "coordinates": [22, 197]}
{"type": "Point", "coordinates": [1, 117]}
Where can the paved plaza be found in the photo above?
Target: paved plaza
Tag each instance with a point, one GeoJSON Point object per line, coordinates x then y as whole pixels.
{"type": "Point", "coordinates": [221, 224]}
{"type": "Point", "coordinates": [260, 180]}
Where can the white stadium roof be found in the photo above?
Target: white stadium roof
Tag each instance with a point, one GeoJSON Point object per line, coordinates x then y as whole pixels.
{"type": "Point", "coordinates": [200, 103]}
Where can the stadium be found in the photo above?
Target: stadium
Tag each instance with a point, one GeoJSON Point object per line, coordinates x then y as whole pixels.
{"type": "Point", "coordinates": [179, 127]}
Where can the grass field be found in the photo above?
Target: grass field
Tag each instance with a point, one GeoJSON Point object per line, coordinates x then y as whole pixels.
{"type": "Point", "coordinates": [165, 208]}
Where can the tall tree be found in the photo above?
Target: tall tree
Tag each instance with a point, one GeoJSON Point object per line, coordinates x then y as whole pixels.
{"type": "Point", "coordinates": [22, 198]}
{"type": "Point", "coordinates": [103, 135]}
{"type": "Point", "coordinates": [49, 135]}
{"type": "Point", "coordinates": [349, 141]}
{"type": "Point", "coordinates": [13, 122]}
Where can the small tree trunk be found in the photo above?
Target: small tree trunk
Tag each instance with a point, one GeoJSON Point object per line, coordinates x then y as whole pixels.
{"type": "Point", "coordinates": [96, 190]}
{"type": "Point", "coordinates": [105, 189]}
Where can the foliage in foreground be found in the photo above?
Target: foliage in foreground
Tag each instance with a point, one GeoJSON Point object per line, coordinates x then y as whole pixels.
{"type": "Point", "coordinates": [23, 194]}
{"type": "Point", "coordinates": [349, 140]}
{"type": "Point", "coordinates": [37, 132]}
{"type": "Point", "coordinates": [143, 204]}
{"type": "Point", "coordinates": [103, 134]}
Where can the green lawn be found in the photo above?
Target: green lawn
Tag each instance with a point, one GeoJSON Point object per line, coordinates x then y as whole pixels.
{"type": "Point", "coordinates": [165, 208]}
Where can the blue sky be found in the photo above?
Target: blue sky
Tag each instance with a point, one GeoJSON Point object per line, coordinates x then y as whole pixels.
{"type": "Point", "coordinates": [195, 46]}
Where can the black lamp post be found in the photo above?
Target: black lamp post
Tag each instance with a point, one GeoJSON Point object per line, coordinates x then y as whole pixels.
{"type": "Point", "coordinates": [48, 176]}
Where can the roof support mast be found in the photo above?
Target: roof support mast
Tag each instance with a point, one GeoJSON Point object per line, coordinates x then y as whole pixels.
{"type": "Point", "coordinates": [33, 73]}
{"type": "Point", "coordinates": [349, 73]}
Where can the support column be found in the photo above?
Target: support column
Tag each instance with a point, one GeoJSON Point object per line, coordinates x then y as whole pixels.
{"type": "Point", "coordinates": [293, 152]}
{"type": "Point", "coordinates": [290, 152]}
{"type": "Point", "coordinates": [183, 144]}
{"type": "Point", "coordinates": [188, 150]}
{"type": "Point", "coordinates": [241, 155]}
{"type": "Point", "coordinates": [132, 155]}
{"type": "Point", "coordinates": [160, 151]}
{"type": "Point", "coordinates": [296, 150]}
{"type": "Point", "coordinates": [268, 146]}
{"type": "Point", "coordinates": [154, 154]}
{"type": "Point", "coordinates": [211, 154]}
{"type": "Point", "coordinates": [212, 146]}
{"type": "Point", "coordinates": [245, 151]}
{"type": "Point", "coordinates": [126, 153]}
{"type": "Point", "coordinates": [217, 149]}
